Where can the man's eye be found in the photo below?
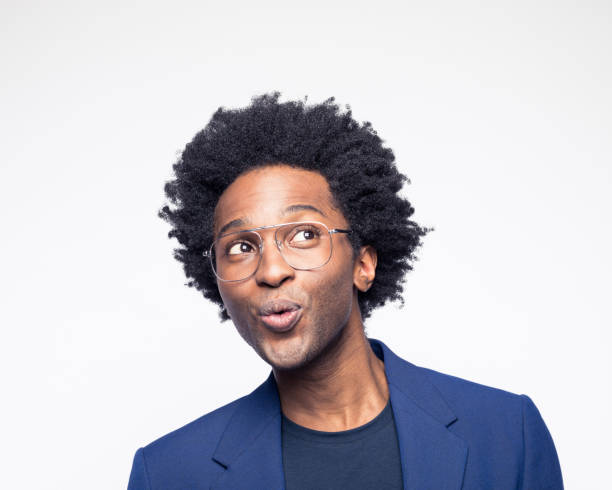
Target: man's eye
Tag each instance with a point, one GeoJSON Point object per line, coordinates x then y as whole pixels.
{"type": "Point", "coordinates": [304, 235]}
{"type": "Point", "coordinates": [240, 248]}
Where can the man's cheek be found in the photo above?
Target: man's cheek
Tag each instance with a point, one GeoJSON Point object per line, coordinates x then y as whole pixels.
{"type": "Point", "coordinates": [241, 322]}
{"type": "Point", "coordinates": [337, 293]}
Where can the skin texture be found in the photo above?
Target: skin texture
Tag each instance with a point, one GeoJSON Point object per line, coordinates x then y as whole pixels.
{"type": "Point", "coordinates": [327, 375]}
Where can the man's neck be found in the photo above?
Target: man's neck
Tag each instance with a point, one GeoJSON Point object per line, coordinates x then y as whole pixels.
{"type": "Point", "coordinates": [344, 388]}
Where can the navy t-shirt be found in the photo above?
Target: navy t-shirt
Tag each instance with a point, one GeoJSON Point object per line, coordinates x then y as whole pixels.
{"type": "Point", "coordinates": [366, 457]}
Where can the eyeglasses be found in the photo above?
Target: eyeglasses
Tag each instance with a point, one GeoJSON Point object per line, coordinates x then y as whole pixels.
{"type": "Point", "coordinates": [304, 245]}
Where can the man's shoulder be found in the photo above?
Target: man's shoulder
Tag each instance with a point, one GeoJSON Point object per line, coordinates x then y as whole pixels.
{"type": "Point", "coordinates": [480, 408]}
{"type": "Point", "coordinates": [459, 394]}
{"type": "Point", "coordinates": [203, 432]}
{"type": "Point", "coordinates": [463, 405]}
{"type": "Point", "coordinates": [503, 431]}
{"type": "Point", "coordinates": [183, 458]}
{"type": "Point", "coordinates": [460, 390]}
{"type": "Point", "coordinates": [199, 441]}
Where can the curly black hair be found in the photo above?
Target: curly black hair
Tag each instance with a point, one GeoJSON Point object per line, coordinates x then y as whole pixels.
{"type": "Point", "coordinates": [360, 171]}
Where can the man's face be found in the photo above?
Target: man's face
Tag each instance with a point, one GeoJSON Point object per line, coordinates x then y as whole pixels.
{"type": "Point", "coordinates": [325, 296]}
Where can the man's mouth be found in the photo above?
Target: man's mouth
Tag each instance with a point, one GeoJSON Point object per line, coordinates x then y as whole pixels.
{"type": "Point", "coordinates": [280, 315]}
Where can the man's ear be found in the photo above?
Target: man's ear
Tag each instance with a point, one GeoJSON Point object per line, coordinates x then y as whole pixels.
{"type": "Point", "coordinates": [364, 270]}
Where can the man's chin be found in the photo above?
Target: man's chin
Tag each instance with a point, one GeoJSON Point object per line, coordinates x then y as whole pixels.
{"type": "Point", "coordinates": [285, 358]}
{"type": "Point", "coordinates": [287, 366]}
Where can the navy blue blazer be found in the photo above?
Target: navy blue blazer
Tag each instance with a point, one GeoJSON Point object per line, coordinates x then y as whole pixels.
{"type": "Point", "coordinates": [453, 434]}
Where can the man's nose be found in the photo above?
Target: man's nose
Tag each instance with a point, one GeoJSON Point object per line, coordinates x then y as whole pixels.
{"type": "Point", "coordinates": [273, 270]}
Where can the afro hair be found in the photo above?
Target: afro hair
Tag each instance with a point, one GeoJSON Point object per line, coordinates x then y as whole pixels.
{"type": "Point", "coordinates": [361, 173]}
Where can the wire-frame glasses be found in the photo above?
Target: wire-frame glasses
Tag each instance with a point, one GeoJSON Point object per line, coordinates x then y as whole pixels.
{"type": "Point", "coordinates": [304, 245]}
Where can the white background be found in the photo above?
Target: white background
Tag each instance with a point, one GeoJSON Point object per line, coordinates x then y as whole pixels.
{"type": "Point", "coordinates": [499, 112]}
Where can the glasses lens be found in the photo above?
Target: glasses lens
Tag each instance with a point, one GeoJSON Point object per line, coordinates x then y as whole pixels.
{"type": "Point", "coordinates": [235, 256]}
{"type": "Point", "coordinates": [305, 245]}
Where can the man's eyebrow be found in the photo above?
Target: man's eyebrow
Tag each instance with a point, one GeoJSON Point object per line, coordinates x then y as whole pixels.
{"type": "Point", "coordinates": [294, 208]}
{"type": "Point", "coordinates": [232, 224]}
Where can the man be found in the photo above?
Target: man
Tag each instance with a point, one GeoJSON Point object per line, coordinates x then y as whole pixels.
{"type": "Point", "coordinates": [290, 220]}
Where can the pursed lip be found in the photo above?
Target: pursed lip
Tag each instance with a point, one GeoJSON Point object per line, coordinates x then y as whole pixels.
{"type": "Point", "coordinates": [280, 315]}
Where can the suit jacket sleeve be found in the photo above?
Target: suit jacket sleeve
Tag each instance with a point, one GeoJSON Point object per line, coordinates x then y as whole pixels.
{"type": "Point", "coordinates": [139, 480]}
{"type": "Point", "coordinates": [541, 470]}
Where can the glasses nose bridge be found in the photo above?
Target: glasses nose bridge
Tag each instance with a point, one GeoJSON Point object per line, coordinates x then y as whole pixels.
{"type": "Point", "coordinates": [271, 268]}
{"type": "Point", "coordinates": [273, 232]}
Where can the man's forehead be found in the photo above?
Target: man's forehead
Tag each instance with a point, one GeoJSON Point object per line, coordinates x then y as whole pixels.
{"type": "Point", "coordinates": [273, 193]}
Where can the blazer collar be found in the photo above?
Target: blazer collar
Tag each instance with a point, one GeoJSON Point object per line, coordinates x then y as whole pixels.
{"type": "Point", "coordinates": [250, 452]}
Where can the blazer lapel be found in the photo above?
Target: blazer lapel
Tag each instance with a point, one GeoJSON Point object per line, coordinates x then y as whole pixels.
{"type": "Point", "coordinates": [250, 452]}
{"type": "Point", "coordinates": [432, 456]}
